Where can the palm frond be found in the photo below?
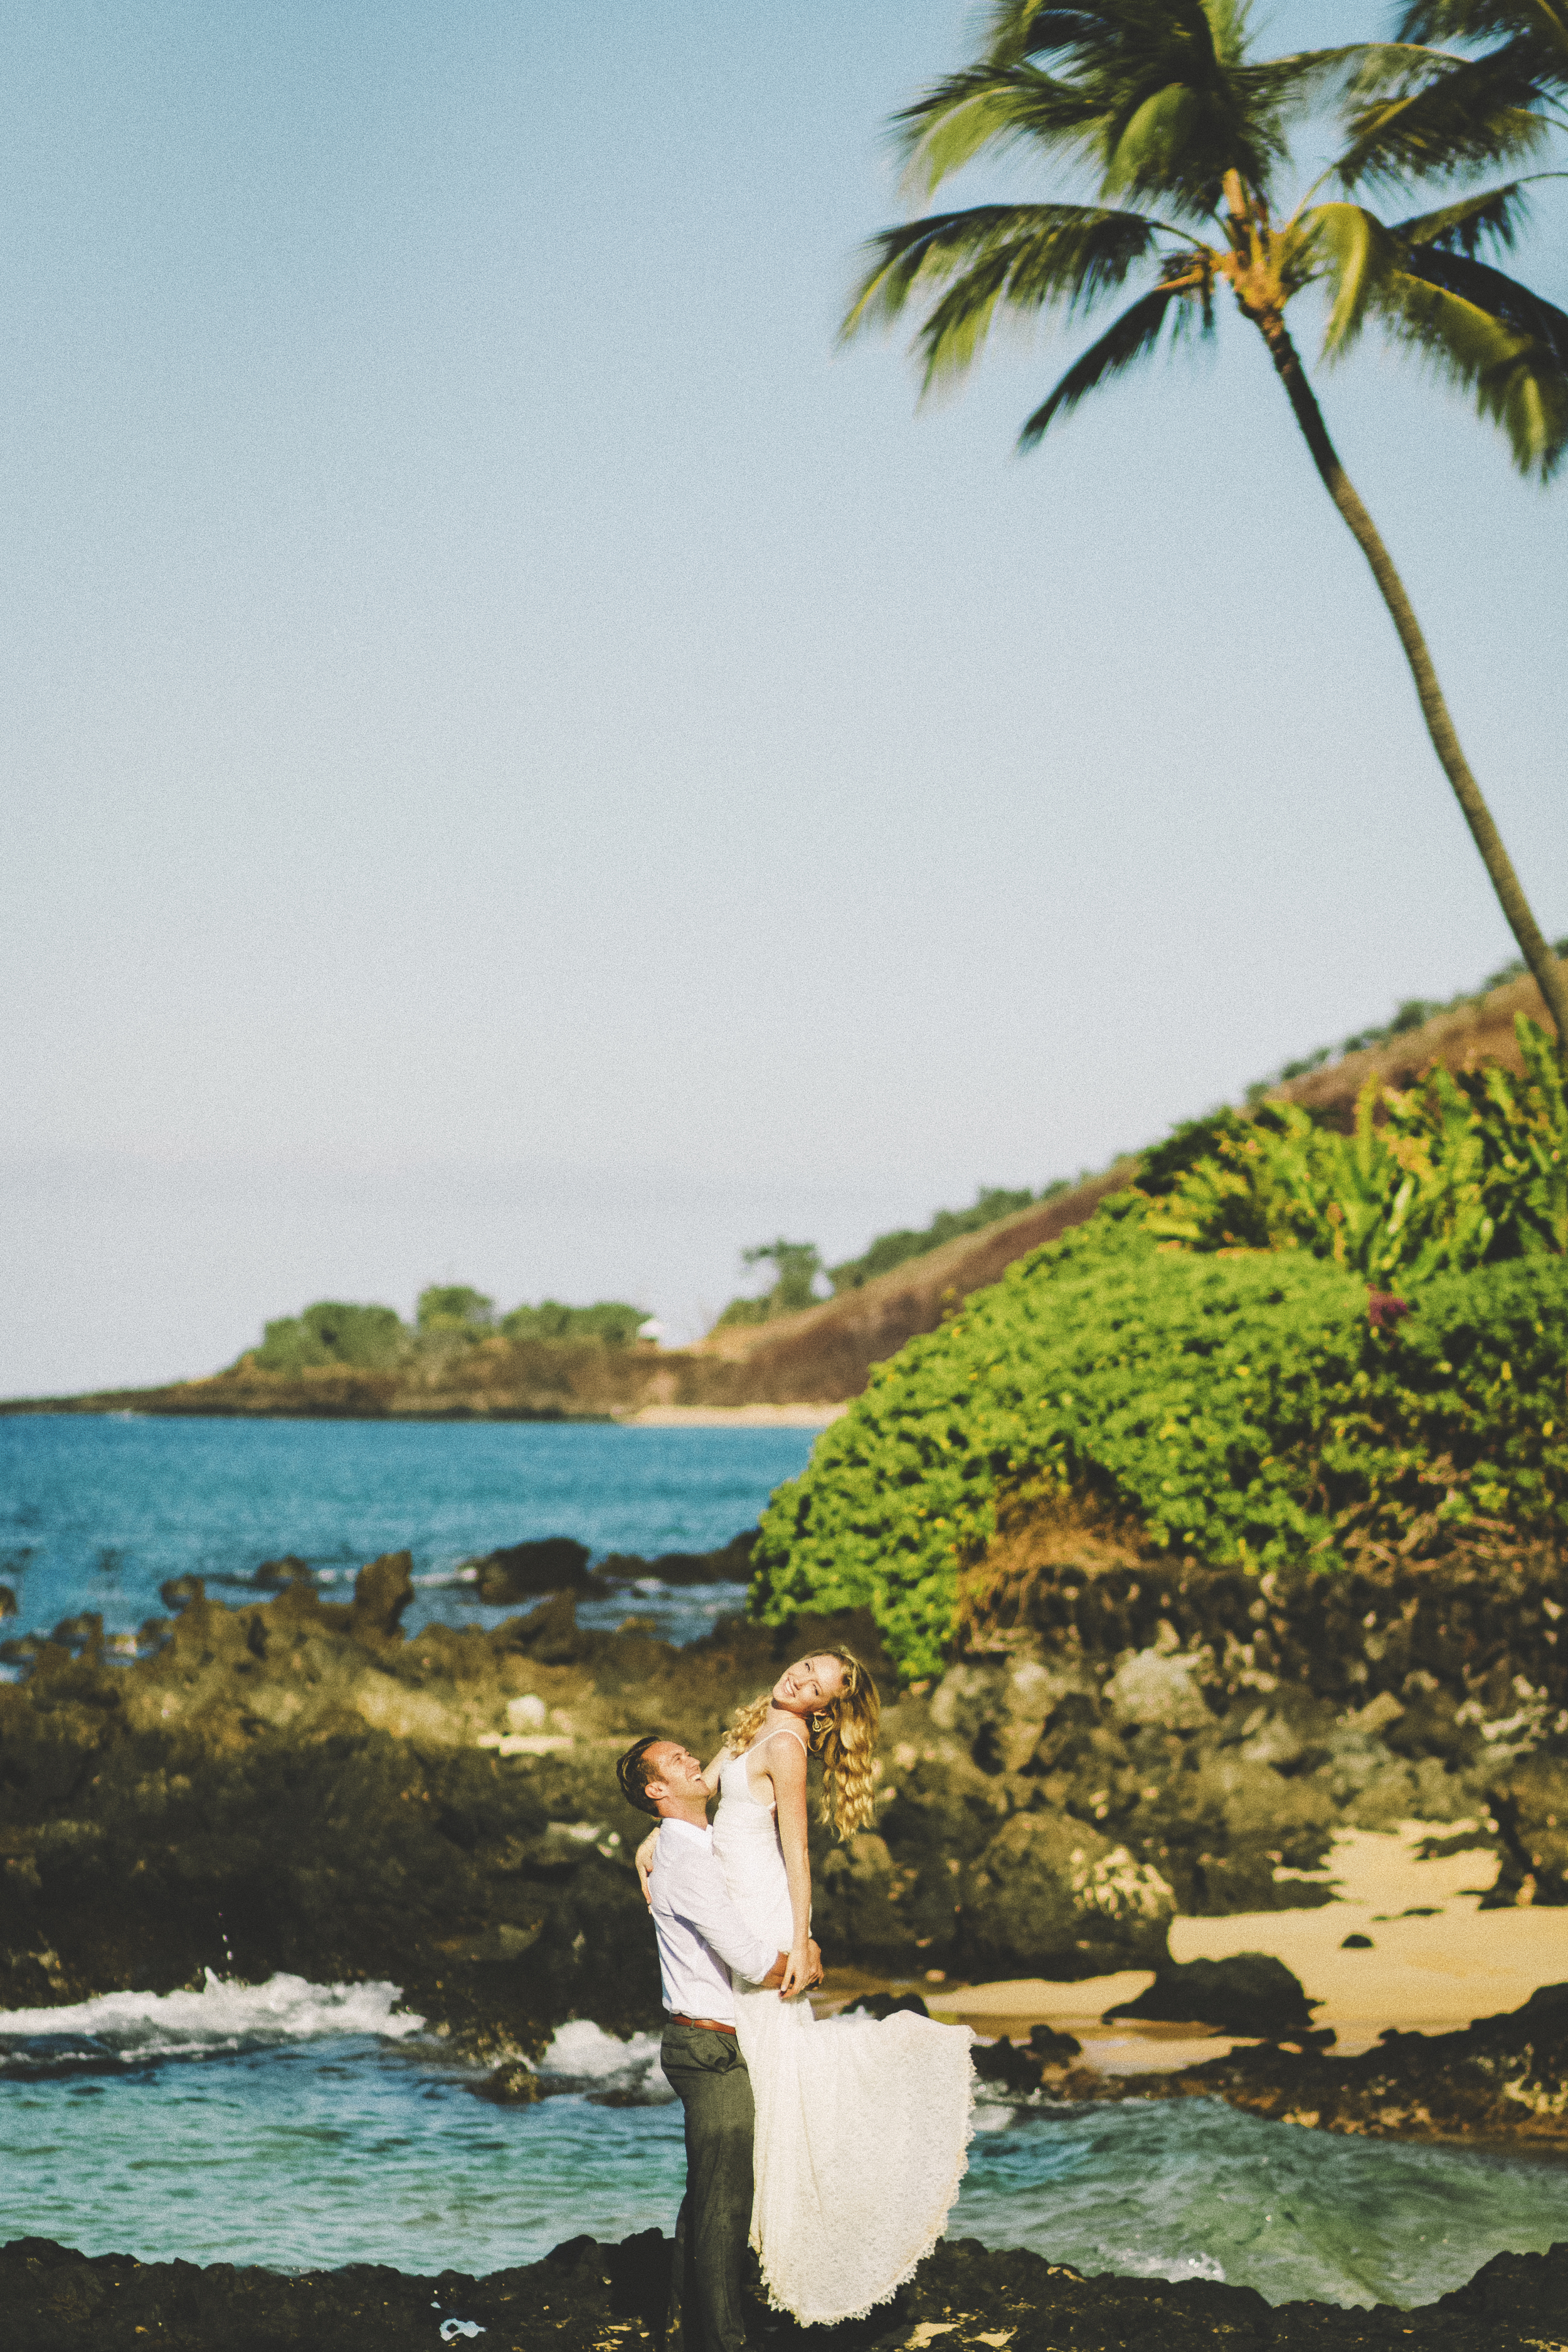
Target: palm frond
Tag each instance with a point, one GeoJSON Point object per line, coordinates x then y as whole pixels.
{"type": "Point", "coordinates": [1485, 332]}
{"type": "Point", "coordinates": [1027, 257]}
{"type": "Point", "coordinates": [1538, 27]}
{"type": "Point", "coordinates": [985, 107]}
{"type": "Point", "coordinates": [1494, 216]}
{"type": "Point", "coordinates": [1130, 338]}
{"type": "Point", "coordinates": [1356, 252]}
{"type": "Point", "coordinates": [1422, 114]}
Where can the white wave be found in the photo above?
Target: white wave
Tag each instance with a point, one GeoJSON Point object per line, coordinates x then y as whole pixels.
{"type": "Point", "coordinates": [1133, 2264]}
{"type": "Point", "coordinates": [581, 2055]}
{"type": "Point", "coordinates": [222, 2015]}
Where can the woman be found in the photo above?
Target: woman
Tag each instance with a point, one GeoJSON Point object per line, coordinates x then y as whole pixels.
{"type": "Point", "coordinates": [862, 2127]}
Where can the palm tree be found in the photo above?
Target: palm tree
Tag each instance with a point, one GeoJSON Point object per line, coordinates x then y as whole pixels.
{"type": "Point", "coordinates": [1162, 103]}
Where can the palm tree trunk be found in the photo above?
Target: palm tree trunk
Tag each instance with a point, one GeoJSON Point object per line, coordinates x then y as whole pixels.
{"type": "Point", "coordinates": [1522, 922]}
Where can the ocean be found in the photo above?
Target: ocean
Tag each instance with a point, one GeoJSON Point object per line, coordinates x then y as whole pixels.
{"type": "Point", "coordinates": [302, 2126]}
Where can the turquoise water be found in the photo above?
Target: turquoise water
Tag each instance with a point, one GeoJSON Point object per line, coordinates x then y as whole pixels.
{"type": "Point", "coordinates": [348, 2148]}
{"type": "Point", "coordinates": [296, 2125]}
{"type": "Point", "coordinates": [95, 1513]}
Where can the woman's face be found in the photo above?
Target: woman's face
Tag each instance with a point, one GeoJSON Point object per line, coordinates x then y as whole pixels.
{"type": "Point", "coordinates": [809, 1686]}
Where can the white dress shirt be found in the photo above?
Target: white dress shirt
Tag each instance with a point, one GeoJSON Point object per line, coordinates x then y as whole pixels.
{"type": "Point", "coordinates": [701, 1934]}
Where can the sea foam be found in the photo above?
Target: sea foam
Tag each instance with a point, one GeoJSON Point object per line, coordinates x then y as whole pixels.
{"type": "Point", "coordinates": [582, 2057]}
{"type": "Point", "coordinates": [219, 2017]}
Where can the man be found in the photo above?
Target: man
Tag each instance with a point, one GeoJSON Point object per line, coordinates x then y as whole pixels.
{"type": "Point", "coordinates": [701, 1937]}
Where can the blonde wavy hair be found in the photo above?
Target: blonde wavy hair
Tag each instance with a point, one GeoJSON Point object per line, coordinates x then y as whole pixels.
{"type": "Point", "coordinates": [843, 1737]}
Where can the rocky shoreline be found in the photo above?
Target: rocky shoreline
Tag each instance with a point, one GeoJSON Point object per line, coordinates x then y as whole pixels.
{"type": "Point", "coordinates": [587, 2297]}
{"type": "Point", "coordinates": [290, 1784]}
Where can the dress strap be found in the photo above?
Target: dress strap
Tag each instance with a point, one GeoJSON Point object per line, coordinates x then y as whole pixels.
{"type": "Point", "coordinates": [784, 1731]}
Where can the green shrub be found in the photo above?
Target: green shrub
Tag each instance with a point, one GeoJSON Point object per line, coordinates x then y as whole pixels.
{"type": "Point", "coordinates": [796, 1265]}
{"type": "Point", "coordinates": [609, 1322]}
{"type": "Point", "coordinates": [370, 1338]}
{"type": "Point", "coordinates": [1242, 1407]}
{"type": "Point", "coordinates": [455, 1307]}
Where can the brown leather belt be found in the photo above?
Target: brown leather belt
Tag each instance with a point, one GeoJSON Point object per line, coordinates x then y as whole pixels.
{"type": "Point", "coordinates": [708, 2024]}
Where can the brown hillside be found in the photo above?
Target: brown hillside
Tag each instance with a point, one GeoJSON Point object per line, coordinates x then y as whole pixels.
{"type": "Point", "coordinates": [820, 1357]}
{"type": "Point", "coordinates": [1461, 1040]}
{"type": "Point", "coordinates": [825, 1353]}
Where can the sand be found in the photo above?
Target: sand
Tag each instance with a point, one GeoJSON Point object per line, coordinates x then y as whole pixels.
{"type": "Point", "coordinates": [732, 1416]}
{"type": "Point", "coordinates": [1423, 1974]}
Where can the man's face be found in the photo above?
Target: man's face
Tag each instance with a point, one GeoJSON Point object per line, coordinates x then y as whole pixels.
{"type": "Point", "coordinates": [675, 1772]}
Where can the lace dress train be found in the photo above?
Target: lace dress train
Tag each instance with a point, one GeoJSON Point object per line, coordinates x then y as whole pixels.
{"type": "Point", "coordinates": [863, 2125]}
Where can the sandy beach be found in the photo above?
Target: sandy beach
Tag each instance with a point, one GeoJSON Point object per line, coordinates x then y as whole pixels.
{"type": "Point", "coordinates": [732, 1416]}
{"type": "Point", "coordinates": [1437, 1959]}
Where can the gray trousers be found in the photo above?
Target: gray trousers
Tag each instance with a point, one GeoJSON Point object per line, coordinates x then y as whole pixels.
{"type": "Point", "coordinates": [709, 2076]}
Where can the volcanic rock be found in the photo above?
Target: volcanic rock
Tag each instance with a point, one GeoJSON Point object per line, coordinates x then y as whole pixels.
{"type": "Point", "coordinates": [1502, 2078]}
{"type": "Point", "coordinates": [519, 1571]}
{"type": "Point", "coordinates": [1250, 1993]}
{"type": "Point", "coordinates": [584, 2296]}
{"type": "Point", "coordinates": [1055, 1895]}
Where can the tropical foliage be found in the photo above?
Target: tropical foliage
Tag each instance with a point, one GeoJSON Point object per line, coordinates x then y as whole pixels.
{"type": "Point", "coordinates": [796, 1267]}
{"type": "Point", "coordinates": [1180, 135]}
{"type": "Point", "coordinates": [448, 1315]}
{"type": "Point", "coordinates": [368, 1338]}
{"type": "Point", "coordinates": [1203, 1361]}
{"type": "Point", "coordinates": [1463, 1171]}
{"type": "Point", "coordinates": [1240, 1408]}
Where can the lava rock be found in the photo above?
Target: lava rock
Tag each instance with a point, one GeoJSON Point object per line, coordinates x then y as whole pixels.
{"type": "Point", "coordinates": [1250, 1993]}
{"type": "Point", "coordinates": [888, 2004]}
{"type": "Point", "coordinates": [290, 1570]}
{"type": "Point", "coordinates": [383, 1591]}
{"type": "Point", "coordinates": [1049, 1896]}
{"type": "Point", "coordinates": [585, 2294]}
{"type": "Point", "coordinates": [730, 1564]}
{"type": "Point", "coordinates": [514, 2083]}
{"type": "Point", "coordinates": [1502, 2078]}
{"type": "Point", "coordinates": [521, 1572]}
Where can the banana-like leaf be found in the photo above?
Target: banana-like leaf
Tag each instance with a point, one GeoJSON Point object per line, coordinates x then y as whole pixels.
{"type": "Point", "coordinates": [1460, 1170]}
{"type": "Point", "coordinates": [1131, 337]}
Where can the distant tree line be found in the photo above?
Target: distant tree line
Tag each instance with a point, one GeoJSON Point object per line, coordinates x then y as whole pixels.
{"type": "Point", "coordinates": [798, 1268]}
{"type": "Point", "coordinates": [452, 1314]}
{"type": "Point", "coordinates": [1414, 1014]}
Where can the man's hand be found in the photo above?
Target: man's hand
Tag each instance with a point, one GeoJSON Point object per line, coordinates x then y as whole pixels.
{"type": "Point", "coordinates": [812, 1976]}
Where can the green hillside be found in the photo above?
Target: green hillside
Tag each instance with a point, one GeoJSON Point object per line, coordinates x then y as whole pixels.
{"type": "Point", "coordinates": [1221, 1356]}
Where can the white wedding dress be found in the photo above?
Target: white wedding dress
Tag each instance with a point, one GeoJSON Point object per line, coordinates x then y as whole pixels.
{"type": "Point", "coordinates": [863, 2125]}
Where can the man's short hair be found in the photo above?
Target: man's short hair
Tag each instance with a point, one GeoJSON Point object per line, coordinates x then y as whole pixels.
{"type": "Point", "coordinates": [635, 1771]}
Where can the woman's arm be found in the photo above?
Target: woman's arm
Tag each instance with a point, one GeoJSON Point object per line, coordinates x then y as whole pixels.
{"type": "Point", "coordinates": [786, 1771]}
{"type": "Point", "coordinates": [711, 1772]}
{"type": "Point", "coordinates": [644, 1860]}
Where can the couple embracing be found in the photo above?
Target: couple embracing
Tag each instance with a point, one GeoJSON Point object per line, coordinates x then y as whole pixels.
{"type": "Point", "coordinates": [836, 2148]}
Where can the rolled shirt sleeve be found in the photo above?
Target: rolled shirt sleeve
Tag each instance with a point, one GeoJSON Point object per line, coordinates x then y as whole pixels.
{"type": "Point", "coordinates": [696, 1893]}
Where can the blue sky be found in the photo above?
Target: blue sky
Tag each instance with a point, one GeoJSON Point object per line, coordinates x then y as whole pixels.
{"type": "Point", "coordinates": [526, 765]}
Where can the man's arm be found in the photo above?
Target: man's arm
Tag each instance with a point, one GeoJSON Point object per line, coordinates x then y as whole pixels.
{"type": "Point", "coordinates": [697, 1892]}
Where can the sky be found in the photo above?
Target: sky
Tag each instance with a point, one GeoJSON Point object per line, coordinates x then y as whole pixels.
{"type": "Point", "coordinates": [525, 764]}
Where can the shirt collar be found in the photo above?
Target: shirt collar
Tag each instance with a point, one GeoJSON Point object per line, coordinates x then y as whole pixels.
{"type": "Point", "coordinates": [688, 1829]}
